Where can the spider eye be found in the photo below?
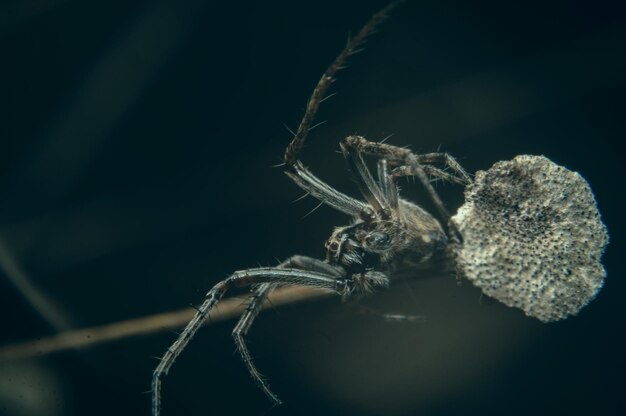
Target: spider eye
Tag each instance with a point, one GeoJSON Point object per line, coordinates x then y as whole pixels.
{"type": "Point", "coordinates": [378, 240]}
{"type": "Point", "coordinates": [333, 246]}
{"type": "Point", "coordinates": [368, 215]}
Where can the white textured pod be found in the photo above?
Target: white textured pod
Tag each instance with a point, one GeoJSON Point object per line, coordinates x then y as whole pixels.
{"type": "Point", "coordinates": [532, 237]}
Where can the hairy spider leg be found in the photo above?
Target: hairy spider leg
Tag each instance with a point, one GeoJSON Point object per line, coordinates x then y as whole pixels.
{"type": "Point", "coordinates": [254, 305]}
{"type": "Point", "coordinates": [398, 157]}
{"type": "Point", "coordinates": [385, 316]}
{"type": "Point", "coordinates": [404, 157]}
{"type": "Point", "coordinates": [242, 278]}
{"type": "Point", "coordinates": [367, 185]}
{"type": "Point", "coordinates": [387, 185]}
{"type": "Point", "coordinates": [463, 177]}
{"type": "Point", "coordinates": [323, 192]}
{"type": "Point", "coordinates": [293, 167]}
{"type": "Point", "coordinates": [409, 170]}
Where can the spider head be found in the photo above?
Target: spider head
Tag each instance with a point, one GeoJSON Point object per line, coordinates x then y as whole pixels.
{"type": "Point", "coordinates": [380, 244]}
{"type": "Point", "coordinates": [358, 247]}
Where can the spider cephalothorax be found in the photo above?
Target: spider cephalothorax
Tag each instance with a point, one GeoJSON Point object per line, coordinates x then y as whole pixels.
{"type": "Point", "coordinates": [409, 236]}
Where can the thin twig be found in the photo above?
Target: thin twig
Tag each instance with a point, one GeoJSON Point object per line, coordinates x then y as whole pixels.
{"type": "Point", "coordinates": [81, 338]}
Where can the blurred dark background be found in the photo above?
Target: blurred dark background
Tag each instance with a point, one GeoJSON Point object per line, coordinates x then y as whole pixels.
{"type": "Point", "coordinates": [137, 140]}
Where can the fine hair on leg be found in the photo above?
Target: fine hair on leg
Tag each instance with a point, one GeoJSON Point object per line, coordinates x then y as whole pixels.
{"type": "Point", "coordinates": [293, 167]}
{"type": "Point", "coordinates": [409, 164]}
{"type": "Point", "coordinates": [254, 305]}
{"type": "Point", "coordinates": [244, 278]}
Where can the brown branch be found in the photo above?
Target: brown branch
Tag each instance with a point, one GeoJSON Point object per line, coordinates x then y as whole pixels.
{"type": "Point", "coordinates": [81, 338]}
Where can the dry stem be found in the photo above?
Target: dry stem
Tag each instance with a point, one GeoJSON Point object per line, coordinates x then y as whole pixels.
{"type": "Point", "coordinates": [80, 338]}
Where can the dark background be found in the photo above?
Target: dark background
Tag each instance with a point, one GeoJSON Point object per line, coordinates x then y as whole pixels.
{"type": "Point", "coordinates": [136, 144]}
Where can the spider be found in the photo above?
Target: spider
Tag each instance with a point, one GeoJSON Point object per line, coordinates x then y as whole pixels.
{"type": "Point", "coordinates": [529, 233]}
{"type": "Point", "coordinates": [387, 234]}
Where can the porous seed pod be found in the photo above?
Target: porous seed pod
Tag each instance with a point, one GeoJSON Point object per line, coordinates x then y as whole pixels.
{"type": "Point", "coordinates": [532, 237]}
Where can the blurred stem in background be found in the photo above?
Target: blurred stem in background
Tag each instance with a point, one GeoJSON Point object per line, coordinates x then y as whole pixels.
{"type": "Point", "coordinates": [41, 303]}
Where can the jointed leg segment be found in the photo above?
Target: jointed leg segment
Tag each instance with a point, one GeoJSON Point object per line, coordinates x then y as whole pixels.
{"type": "Point", "coordinates": [323, 276]}
{"type": "Point", "coordinates": [387, 317]}
{"type": "Point", "coordinates": [405, 162]}
{"type": "Point", "coordinates": [271, 275]}
{"type": "Point", "coordinates": [410, 164]}
{"type": "Point", "coordinates": [293, 167]}
{"type": "Point", "coordinates": [387, 185]}
{"type": "Point", "coordinates": [255, 302]}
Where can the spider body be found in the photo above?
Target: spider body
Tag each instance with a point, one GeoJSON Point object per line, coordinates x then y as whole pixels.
{"type": "Point", "coordinates": [410, 236]}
